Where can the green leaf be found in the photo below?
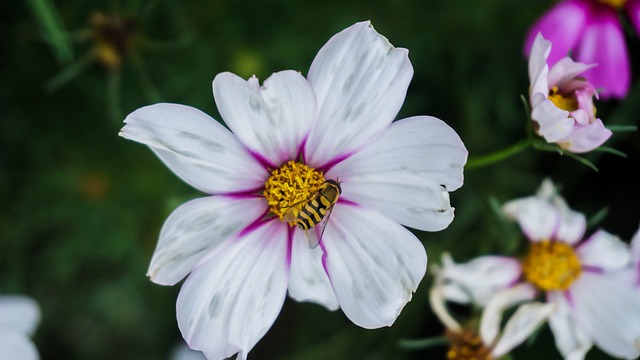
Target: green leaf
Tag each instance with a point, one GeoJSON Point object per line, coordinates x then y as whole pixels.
{"type": "Point", "coordinates": [53, 29]}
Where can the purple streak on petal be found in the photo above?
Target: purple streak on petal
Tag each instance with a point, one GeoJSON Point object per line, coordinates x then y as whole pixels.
{"type": "Point", "coordinates": [333, 162]}
{"type": "Point", "coordinates": [347, 202]}
{"type": "Point", "coordinates": [633, 9]}
{"type": "Point", "coordinates": [301, 149]}
{"type": "Point", "coordinates": [562, 25]}
{"type": "Point", "coordinates": [263, 161]}
{"type": "Point", "coordinates": [324, 261]}
{"type": "Point", "coordinates": [569, 296]}
{"type": "Point", "coordinates": [593, 269]}
{"type": "Point", "coordinates": [603, 43]}
{"type": "Point", "coordinates": [290, 232]}
{"type": "Point", "coordinates": [244, 194]}
{"type": "Point", "coordinates": [261, 220]}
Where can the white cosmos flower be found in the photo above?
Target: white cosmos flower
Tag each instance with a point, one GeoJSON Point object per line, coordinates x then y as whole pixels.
{"type": "Point", "coordinates": [19, 317]}
{"type": "Point", "coordinates": [585, 279]}
{"type": "Point", "coordinates": [494, 341]}
{"type": "Point", "coordinates": [287, 137]}
{"type": "Point", "coordinates": [585, 282]}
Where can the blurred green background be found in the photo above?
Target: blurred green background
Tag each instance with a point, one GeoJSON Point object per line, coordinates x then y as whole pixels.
{"type": "Point", "coordinates": [81, 208]}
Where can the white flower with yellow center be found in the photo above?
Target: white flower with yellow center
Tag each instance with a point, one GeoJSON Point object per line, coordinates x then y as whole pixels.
{"type": "Point", "coordinates": [244, 246]}
{"type": "Point", "coordinates": [478, 282]}
{"type": "Point", "coordinates": [585, 279]}
{"type": "Point", "coordinates": [587, 282]}
{"type": "Point", "coordinates": [19, 317]}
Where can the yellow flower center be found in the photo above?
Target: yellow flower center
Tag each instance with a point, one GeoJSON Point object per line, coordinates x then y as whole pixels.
{"type": "Point", "coordinates": [467, 345]}
{"type": "Point", "coordinates": [614, 3]}
{"type": "Point", "coordinates": [551, 265]}
{"type": "Point", "coordinates": [561, 101]}
{"type": "Point", "coordinates": [290, 186]}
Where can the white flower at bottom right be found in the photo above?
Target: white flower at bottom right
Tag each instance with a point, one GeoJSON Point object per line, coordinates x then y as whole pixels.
{"type": "Point", "coordinates": [585, 278]}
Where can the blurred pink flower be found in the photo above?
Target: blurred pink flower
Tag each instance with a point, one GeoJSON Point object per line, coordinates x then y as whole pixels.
{"type": "Point", "coordinates": [591, 30]}
{"type": "Point", "coordinates": [562, 102]}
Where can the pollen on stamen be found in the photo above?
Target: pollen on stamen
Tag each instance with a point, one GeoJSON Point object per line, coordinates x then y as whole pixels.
{"type": "Point", "coordinates": [561, 101]}
{"type": "Point", "coordinates": [551, 265]}
{"type": "Point", "coordinates": [617, 4]}
{"type": "Point", "coordinates": [467, 345]}
{"type": "Point", "coordinates": [290, 186]}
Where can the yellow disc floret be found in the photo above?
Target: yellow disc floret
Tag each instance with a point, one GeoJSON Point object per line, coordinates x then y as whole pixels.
{"type": "Point", "coordinates": [467, 345]}
{"type": "Point", "coordinates": [551, 265]}
{"type": "Point", "coordinates": [291, 185]}
{"type": "Point", "coordinates": [614, 3]}
{"type": "Point", "coordinates": [561, 101]}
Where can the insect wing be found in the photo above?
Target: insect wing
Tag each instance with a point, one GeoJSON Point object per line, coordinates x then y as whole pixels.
{"type": "Point", "coordinates": [313, 236]}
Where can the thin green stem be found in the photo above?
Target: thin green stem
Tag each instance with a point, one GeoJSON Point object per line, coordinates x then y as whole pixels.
{"type": "Point", "coordinates": [484, 160]}
{"type": "Point", "coordinates": [416, 344]}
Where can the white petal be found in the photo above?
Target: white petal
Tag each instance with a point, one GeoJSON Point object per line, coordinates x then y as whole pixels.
{"type": "Point", "coordinates": [374, 264]}
{"type": "Point", "coordinates": [587, 137]}
{"type": "Point", "coordinates": [521, 325]}
{"type": "Point", "coordinates": [195, 147]}
{"type": "Point", "coordinates": [16, 346]}
{"type": "Point", "coordinates": [307, 278]}
{"type": "Point", "coordinates": [635, 246]}
{"type": "Point", "coordinates": [608, 308]}
{"type": "Point", "coordinates": [401, 174]}
{"type": "Point", "coordinates": [19, 314]}
{"type": "Point", "coordinates": [228, 304]}
{"type": "Point", "coordinates": [538, 218]}
{"type": "Point", "coordinates": [604, 251]}
{"type": "Point", "coordinates": [439, 308]}
{"type": "Point", "coordinates": [572, 340]}
{"type": "Point", "coordinates": [492, 314]}
{"type": "Point", "coordinates": [360, 81]}
{"type": "Point", "coordinates": [272, 120]}
{"type": "Point", "coordinates": [543, 217]}
{"type": "Point", "coordinates": [194, 229]}
{"type": "Point", "coordinates": [555, 123]}
{"type": "Point", "coordinates": [182, 352]}
{"type": "Point", "coordinates": [538, 68]}
{"type": "Point", "coordinates": [479, 279]}
{"type": "Point", "coordinates": [565, 70]}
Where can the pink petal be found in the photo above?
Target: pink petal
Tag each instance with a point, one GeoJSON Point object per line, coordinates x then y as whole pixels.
{"type": "Point", "coordinates": [564, 71]}
{"type": "Point", "coordinates": [633, 9]}
{"type": "Point", "coordinates": [585, 138]}
{"type": "Point", "coordinates": [562, 25]}
{"type": "Point", "coordinates": [603, 43]}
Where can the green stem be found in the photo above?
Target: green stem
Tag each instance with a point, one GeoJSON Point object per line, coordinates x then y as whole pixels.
{"type": "Point", "coordinates": [416, 344]}
{"type": "Point", "coordinates": [479, 161]}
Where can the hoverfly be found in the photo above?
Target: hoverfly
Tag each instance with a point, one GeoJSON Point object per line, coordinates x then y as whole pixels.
{"type": "Point", "coordinates": [315, 211]}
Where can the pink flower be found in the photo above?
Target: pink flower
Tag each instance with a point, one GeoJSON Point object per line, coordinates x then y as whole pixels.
{"type": "Point", "coordinates": [591, 31]}
{"type": "Point", "coordinates": [562, 102]}
{"type": "Point", "coordinates": [286, 138]}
